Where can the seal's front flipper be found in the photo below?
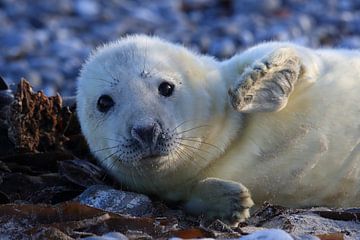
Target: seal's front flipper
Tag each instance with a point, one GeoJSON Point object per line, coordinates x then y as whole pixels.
{"type": "Point", "coordinates": [220, 199]}
{"type": "Point", "coordinates": [266, 84]}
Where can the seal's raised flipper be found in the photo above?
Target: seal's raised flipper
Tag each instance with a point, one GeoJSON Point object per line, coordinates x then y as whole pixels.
{"type": "Point", "coordinates": [266, 84]}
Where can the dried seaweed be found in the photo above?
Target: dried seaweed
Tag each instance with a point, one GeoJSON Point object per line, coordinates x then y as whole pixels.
{"type": "Point", "coordinates": [37, 122]}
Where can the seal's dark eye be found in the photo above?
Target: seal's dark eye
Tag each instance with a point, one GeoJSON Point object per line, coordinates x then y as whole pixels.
{"type": "Point", "coordinates": [104, 103]}
{"type": "Point", "coordinates": [166, 89]}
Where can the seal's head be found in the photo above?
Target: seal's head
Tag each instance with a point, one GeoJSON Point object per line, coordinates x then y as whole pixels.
{"type": "Point", "coordinates": [144, 107]}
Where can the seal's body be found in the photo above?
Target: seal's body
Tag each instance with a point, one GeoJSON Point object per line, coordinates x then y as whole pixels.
{"type": "Point", "coordinates": [279, 118]}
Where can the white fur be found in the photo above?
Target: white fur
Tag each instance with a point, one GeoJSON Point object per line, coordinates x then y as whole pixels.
{"type": "Point", "coordinates": [306, 154]}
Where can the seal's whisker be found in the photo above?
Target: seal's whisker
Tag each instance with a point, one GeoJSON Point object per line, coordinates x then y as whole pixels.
{"type": "Point", "coordinates": [189, 146]}
{"type": "Point", "coordinates": [199, 141]}
{"type": "Point", "coordinates": [133, 178]}
{"type": "Point", "coordinates": [143, 70]}
{"type": "Point", "coordinates": [114, 78]}
{"type": "Point", "coordinates": [139, 170]}
{"type": "Point", "coordinates": [153, 68]}
{"type": "Point", "coordinates": [191, 158]}
{"type": "Point", "coordinates": [191, 137]}
{"type": "Point", "coordinates": [183, 151]}
{"type": "Point", "coordinates": [116, 162]}
{"type": "Point", "coordinates": [191, 129]}
{"type": "Point", "coordinates": [112, 154]}
{"type": "Point", "coordinates": [171, 158]}
{"type": "Point", "coordinates": [113, 140]}
{"type": "Point", "coordinates": [179, 152]}
{"type": "Point", "coordinates": [182, 123]}
{"type": "Point", "coordinates": [100, 79]}
{"type": "Point", "coordinates": [103, 149]}
{"type": "Point", "coordinates": [178, 155]}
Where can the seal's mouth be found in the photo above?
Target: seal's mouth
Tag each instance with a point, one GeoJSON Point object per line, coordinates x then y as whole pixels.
{"type": "Point", "coordinates": [149, 161]}
{"type": "Point", "coordinates": [149, 156]}
{"type": "Point", "coordinates": [152, 155]}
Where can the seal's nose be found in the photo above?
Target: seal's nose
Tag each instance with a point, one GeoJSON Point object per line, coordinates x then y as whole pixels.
{"type": "Point", "coordinates": [146, 134]}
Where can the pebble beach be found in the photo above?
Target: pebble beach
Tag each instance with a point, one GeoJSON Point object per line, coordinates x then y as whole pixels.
{"type": "Point", "coordinates": [47, 41]}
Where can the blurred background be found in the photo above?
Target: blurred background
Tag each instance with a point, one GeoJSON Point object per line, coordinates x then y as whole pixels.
{"type": "Point", "coordinates": [47, 41]}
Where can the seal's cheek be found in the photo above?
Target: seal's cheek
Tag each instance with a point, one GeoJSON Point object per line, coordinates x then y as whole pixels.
{"type": "Point", "coordinates": [193, 105]}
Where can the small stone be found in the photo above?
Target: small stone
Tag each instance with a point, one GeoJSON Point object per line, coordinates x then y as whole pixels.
{"type": "Point", "coordinates": [246, 38]}
{"type": "Point", "coordinates": [14, 44]}
{"type": "Point", "coordinates": [223, 48]}
{"type": "Point", "coordinates": [350, 43]}
{"type": "Point", "coordinates": [263, 6]}
{"type": "Point", "coordinates": [268, 234]}
{"type": "Point", "coordinates": [108, 236]}
{"type": "Point", "coordinates": [87, 8]}
{"type": "Point", "coordinates": [305, 22]}
{"type": "Point", "coordinates": [116, 201]}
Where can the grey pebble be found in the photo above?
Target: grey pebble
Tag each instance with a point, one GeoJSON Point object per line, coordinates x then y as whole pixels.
{"type": "Point", "coordinates": [350, 43]}
{"type": "Point", "coordinates": [108, 236]}
{"type": "Point", "coordinates": [87, 8]}
{"type": "Point", "coordinates": [116, 201]}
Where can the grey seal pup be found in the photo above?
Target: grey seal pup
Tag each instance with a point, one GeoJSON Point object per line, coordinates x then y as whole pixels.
{"type": "Point", "coordinates": [279, 120]}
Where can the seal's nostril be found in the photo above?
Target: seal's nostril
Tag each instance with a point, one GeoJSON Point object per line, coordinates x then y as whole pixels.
{"type": "Point", "coordinates": [147, 135]}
